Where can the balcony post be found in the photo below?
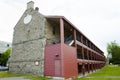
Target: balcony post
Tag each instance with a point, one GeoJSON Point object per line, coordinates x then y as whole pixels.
{"type": "Point", "coordinates": [61, 30]}
{"type": "Point", "coordinates": [75, 38]}
{"type": "Point", "coordinates": [81, 39]}
{"type": "Point", "coordinates": [82, 52]}
{"type": "Point", "coordinates": [88, 59]}
{"type": "Point", "coordinates": [62, 42]}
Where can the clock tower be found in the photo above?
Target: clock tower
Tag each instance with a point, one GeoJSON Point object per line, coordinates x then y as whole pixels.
{"type": "Point", "coordinates": [28, 43]}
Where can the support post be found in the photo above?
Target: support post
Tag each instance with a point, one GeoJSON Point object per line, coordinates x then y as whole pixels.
{"type": "Point", "coordinates": [83, 68]}
{"type": "Point", "coordinates": [75, 38]}
{"type": "Point", "coordinates": [88, 59]}
{"type": "Point", "coordinates": [81, 39]}
{"type": "Point", "coordinates": [83, 53]}
{"type": "Point", "coordinates": [83, 65]}
{"type": "Point", "coordinates": [88, 67]}
{"type": "Point", "coordinates": [88, 54]}
{"type": "Point", "coordinates": [92, 67]}
{"type": "Point", "coordinates": [62, 42]}
{"type": "Point", "coordinates": [61, 30]}
{"type": "Point", "coordinates": [91, 55]}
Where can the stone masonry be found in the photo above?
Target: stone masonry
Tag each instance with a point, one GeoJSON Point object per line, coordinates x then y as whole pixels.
{"type": "Point", "coordinates": [28, 43]}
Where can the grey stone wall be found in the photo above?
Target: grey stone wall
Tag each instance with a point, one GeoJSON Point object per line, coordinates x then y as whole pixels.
{"type": "Point", "coordinates": [28, 45]}
{"type": "Point", "coordinates": [27, 67]}
{"type": "Point", "coordinates": [33, 30]}
{"type": "Point", "coordinates": [50, 37]}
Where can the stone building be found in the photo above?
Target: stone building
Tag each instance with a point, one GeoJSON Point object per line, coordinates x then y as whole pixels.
{"type": "Point", "coordinates": [28, 43]}
{"type": "Point", "coordinates": [51, 46]}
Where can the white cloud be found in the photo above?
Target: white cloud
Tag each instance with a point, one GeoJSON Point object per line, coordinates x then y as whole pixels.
{"type": "Point", "coordinates": [99, 20]}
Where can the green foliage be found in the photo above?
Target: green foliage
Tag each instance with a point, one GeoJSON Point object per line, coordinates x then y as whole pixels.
{"type": "Point", "coordinates": [5, 56]}
{"type": "Point", "coordinates": [114, 49]}
{"type": "Point", "coordinates": [111, 46]}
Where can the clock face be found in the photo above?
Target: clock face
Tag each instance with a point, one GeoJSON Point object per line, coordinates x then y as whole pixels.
{"type": "Point", "coordinates": [27, 19]}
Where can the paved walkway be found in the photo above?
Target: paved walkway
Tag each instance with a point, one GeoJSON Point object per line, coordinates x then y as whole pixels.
{"type": "Point", "coordinates": [14, 78]}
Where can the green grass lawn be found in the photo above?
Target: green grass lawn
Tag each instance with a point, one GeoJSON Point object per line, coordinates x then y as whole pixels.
{"type": "Point", "coordinates": [104, 74]}
{"type": "Point", "coordinates": [98, 79]}
{"type": "Point", "coordinates": [28, 76]}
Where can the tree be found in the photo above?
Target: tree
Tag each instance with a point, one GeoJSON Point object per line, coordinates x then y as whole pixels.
{"type": "Point", "coordinates": [114, 49]}
{"type": "Point", "coordinates": [5, 56]}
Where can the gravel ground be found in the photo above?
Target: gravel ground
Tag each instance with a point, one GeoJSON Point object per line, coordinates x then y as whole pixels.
{"type": "Point", "coordinates": [14, 78]}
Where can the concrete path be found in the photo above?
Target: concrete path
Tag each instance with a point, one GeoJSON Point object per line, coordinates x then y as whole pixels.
{"type": "Point", "coordinates": [14, 78]}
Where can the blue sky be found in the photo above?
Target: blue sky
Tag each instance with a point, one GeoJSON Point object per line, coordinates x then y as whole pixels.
{"type": "Point", "coordinates": [99, 20]}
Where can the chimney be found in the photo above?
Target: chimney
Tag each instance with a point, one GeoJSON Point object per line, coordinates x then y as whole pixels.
{"type": "Point", "coordinates": [37, 9]}
{"type": "Point", "coordinates": [30, 5]}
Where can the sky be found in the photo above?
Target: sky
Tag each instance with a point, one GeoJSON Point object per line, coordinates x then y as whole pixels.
{"type": "Point", "coordinates": [99, 20]}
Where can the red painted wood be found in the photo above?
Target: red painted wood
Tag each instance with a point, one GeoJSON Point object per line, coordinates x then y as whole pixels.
{"type": "Point", "coordinates": [69, 61]}
{"type": "Point", "coordinates": [50, 66]}
{"type": "Point", "coordinates": [57, 67]}
{"type": "Point", "coordinates": [66, 64]}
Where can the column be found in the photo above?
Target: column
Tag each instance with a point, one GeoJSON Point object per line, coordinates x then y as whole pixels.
{"type": "Point", "coordinates": [61, 30]}
{"type": "Point", "coordinates": [75, 38]}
